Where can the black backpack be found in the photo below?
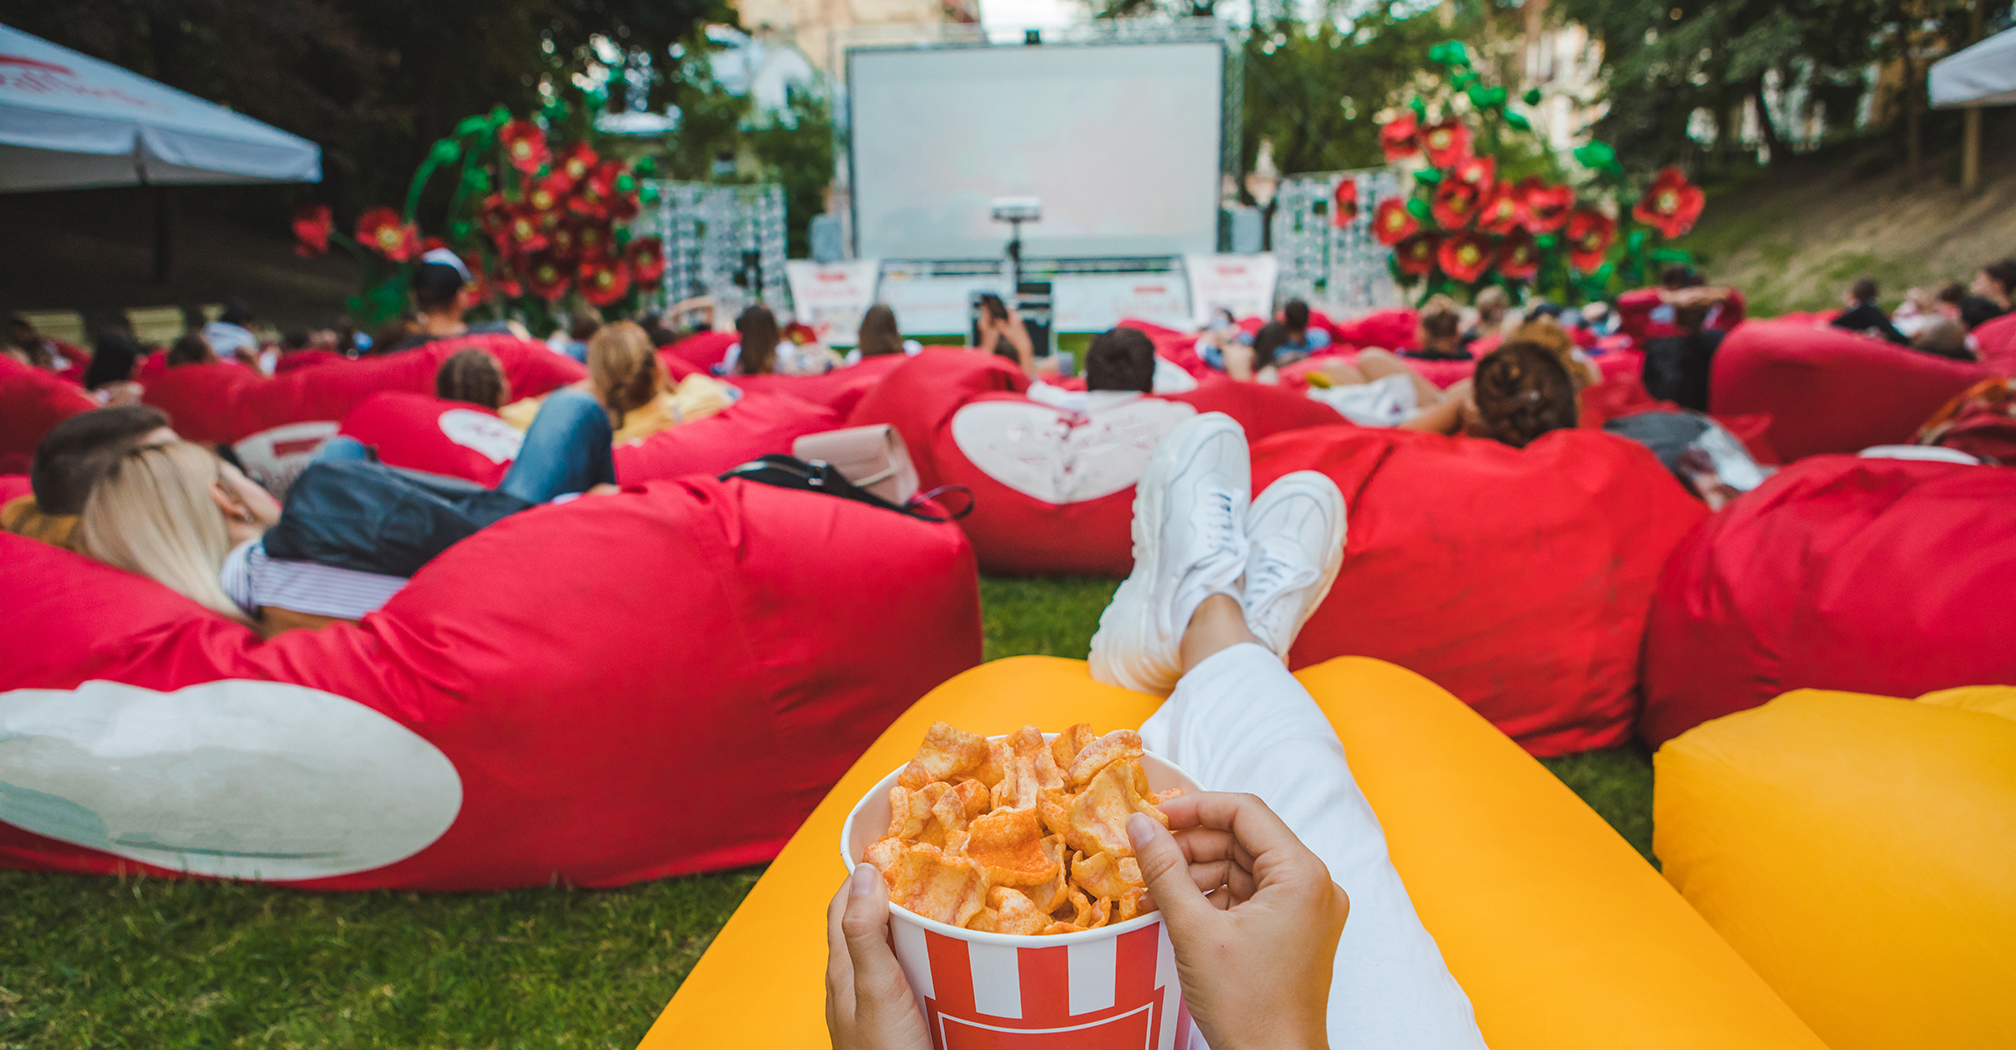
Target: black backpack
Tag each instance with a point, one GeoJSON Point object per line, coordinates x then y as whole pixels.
{"type": "Point", "coordinates": [790, 472]}
{"type": "Point", "coordinates": [354, 514]}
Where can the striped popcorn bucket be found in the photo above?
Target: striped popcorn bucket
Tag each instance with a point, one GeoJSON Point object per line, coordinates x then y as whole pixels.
{"type": "Point", "coordinates": [1106, 989]}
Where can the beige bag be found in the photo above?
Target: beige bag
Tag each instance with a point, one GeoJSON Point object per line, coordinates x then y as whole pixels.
{"type": "Point", "coordinates": [873, 458]}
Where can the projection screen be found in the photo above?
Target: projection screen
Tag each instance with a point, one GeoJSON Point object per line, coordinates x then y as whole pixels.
{"type": "Point", "coordinates": [1120, 141]}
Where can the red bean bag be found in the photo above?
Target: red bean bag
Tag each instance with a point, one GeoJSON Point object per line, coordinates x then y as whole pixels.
{"type": "Point", "coordinates": [840, 390]}
{"type": "Point", "coordinates": [32, 401]}
{"type": "Point", "coordinates": [1870, 575]}
{"type": "Point", "coordinates": [420, 432]}
{"type": "Point", "coordinates": [13, 487]}
{"type": "Point", "coordinates": [1995, 345]}
{"type": "Point", "coordinates": [704, 350]}
{"type": "Point", "coordinates": [1635, 307]}
{"type": "Point", "coordinates": [1827, 390]}
{"type": "Point", "coordinates": [757, 425]}
{"type": "Point", "coordinates": [1387, 329]}
{"type": "Point", "coordinates": [1520, 580]}
{"type": "Point", "coordinates": [1178, 348]}
{"type": "Point", "coordinates": [298, 359]}
{"type": "Point", "coordinates": [619, 688]}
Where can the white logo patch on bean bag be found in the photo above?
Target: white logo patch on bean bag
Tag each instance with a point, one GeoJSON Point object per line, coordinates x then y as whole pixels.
{"type": "Point", "coordinates": [1065, 457]}
{"type": "Point", "coordinates": [236, 779]}
{"type": "Point", "coordinates": [274, 458]}
{"type": "Point", "coordinates": [484, 433]}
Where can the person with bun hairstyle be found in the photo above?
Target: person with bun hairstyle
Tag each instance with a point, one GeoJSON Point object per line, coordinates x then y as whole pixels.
{"type": "Point", "coordinates": [627, 377]}
{"type": "Point", "coordinates": [474, 376]}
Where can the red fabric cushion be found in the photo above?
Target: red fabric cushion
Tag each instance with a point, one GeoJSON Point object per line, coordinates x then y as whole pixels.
{"type": "Point", "coordinates": [1634, 315]}
{"type": "Point", "coordinates": [13, 486]}
{"type": "Point", "coordinates": [223, 403]}
{"type": "Point", "coordinates": [1520, 580]}
{"type": "Point", "coordinates": [757, 425]}
{"type": "Point", "coordinates": [840, 390]}
{"type": "Point", "coordinates": [426, 433]}
{"type": "Point", "coordinates": [1386, 329]}
{"type": "Point", "coordinates": [1872, 575]}
{"type": "Point", "coordinates": [1827, 390]}
{"type": "Point", "coordinates": [32, 401]}
{"type": "Point", "coordinates": [1178, 348]}
{"type": "Point", "coordinates": [675, 694]}
{"type": "Point", "coordinates": [299, 359]}
{"type": "Point", "coordinates": [704, 350]}
{"type": "Point", "coordinates": [1995, 344]}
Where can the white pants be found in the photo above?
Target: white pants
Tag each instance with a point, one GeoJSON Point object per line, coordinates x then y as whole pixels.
{"type": "Point", "coordinates": [1384, 402]}
{"type": "Point", "coordinates": [1240, 722]}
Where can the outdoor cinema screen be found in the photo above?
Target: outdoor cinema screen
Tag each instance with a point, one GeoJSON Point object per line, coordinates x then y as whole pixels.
{"type": "Point", "coordinates": [1120, 141]}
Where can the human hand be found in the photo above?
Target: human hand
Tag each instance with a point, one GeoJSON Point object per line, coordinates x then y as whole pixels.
{"type": "Point", "coordinates": [1255, 955]}
{"type": "Point", "coordinates": [869, 1005]}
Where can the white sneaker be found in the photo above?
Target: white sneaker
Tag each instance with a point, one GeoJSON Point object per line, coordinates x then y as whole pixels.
{"type": "Point", "coordinates": [1189, 543]}
{"type": "Point", "coordinates": [1297, 531]}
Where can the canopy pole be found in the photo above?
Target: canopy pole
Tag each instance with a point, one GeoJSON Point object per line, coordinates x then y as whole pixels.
{"type": "Point", "coordinates": [163, 255]}
{"type": "Point", "coordinates": [1970, 151]}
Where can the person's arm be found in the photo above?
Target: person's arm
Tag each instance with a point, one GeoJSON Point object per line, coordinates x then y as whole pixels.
{"type": "Point", "coordinates": [1018, 337]}
{"type": "Point", "coordinates": [1444, 416]}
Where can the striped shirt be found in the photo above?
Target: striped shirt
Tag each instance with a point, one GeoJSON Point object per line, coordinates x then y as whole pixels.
{"type": "Point", "coordinates": [255, 582]}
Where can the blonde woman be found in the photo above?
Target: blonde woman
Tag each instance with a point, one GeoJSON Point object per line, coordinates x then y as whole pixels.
{"type": "Point", "coordinates": [629, 380]}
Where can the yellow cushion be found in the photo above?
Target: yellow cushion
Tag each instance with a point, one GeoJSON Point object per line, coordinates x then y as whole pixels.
{"type": "Point", "coordinates": [1860, 852]}
{"type": "Point", "coordinates": [1561, 934]}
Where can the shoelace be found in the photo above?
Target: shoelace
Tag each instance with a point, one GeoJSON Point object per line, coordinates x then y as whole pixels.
{"type": "Point", "coordinates": [1280, 570]}
{"type": "Point", "coordinates": [1222, 521]}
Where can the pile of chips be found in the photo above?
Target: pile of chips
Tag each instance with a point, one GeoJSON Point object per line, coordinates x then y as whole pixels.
{"type": "Point", "coordinates": [1020, 835]}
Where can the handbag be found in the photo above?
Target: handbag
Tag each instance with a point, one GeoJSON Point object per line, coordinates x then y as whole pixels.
{"type": "Point", "coordinates": [870, 457]}
{"type": "Point", "coordinates": [790, 472]}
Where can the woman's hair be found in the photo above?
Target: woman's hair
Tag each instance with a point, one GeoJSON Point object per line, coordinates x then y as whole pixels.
{"type": "Point", "coordinates": [1942, 335]}
{"type": "Point", "coordinates": [152, 514]}
{"type": "Point", "coordinates": [879, 334]}
{"type": "Point", "coordinates": [112, 361]}
{"type": "Point", "coordinates": [758, 328]}
{"type": "Point", "coordinates": [191, 349]}
{"type": "Point", "coordinates": [1441, 318]}
{"type": "Point", "coordinates": [1491, 304]}
{"type": "Point", "coordinates": [624, 369]}
{"type": "Point", "coordinates": [1522, 392]}
{"type": "Point", "coordinates": [1271, 337]}
{"type": "Point", "coordinates": [1547, 333]}
{"type": "Point", "coordinates": [475, 376]}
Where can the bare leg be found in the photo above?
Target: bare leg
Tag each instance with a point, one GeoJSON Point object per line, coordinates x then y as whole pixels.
{"type": "Point", "coordinates": [1378, 364]}
{"type": "Point", "coordinates": [1340, 372]}
{"type": "Point", "coordinates": [1217, 625]}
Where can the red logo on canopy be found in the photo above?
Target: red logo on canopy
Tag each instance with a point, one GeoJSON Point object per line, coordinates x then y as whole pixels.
{"type": "Point", "coordinates": [37, 77]}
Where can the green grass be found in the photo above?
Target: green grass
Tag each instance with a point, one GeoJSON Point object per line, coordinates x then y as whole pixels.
{"type": "Point", "coordinates": [100, 962]}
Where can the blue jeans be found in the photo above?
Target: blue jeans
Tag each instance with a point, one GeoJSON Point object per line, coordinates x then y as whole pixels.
{"type": "Point", "coordinates": [566, 450]}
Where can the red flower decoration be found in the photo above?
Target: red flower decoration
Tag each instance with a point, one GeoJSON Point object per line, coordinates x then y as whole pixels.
{"type": "Point", "coordinates": [1549, 205]}
{"type": "Point", "coordinates": [604, 279]}
{"type": "Point", "coordinates": [1345, 203]}
{"type": "Point", "coordinates": [312, 227]}
{"type": "Point", "coordinates": [1416, 254]}
{"type": "Point", "coordinates": [545, 277]}
{"type": "Point", "coordinates": [428, 244]}
{"type": "Point", "coordinates": [1670, 204]}
{"type": "Point", "coordinates": [647, 259]}
{"type": "Point", "coordinates": [1480, 172]}
{"type": "Point", "coordinates": [1466, 256]}
{"type": "Point", "coordinates": [494, 217]}
{"type": "Point", "coordinates": [594, 238]}
{"type": "Point", "coordinates": [575, 164]}
{"type": "Point", "coordinates": [508, 285]}
{"type": "Point", "coordinates": [1447, 142]}
{"type": "Point", "coordinates": [524, 232]}
{"type": "Point", "coordinates": [547, 194]}
{"type": "Point", "coordinates": [1503, 211]}
{"type": "Point", "coordinates": [1590, 234]}
{"type": "Point", "coordinates": [1455, 203]}
{"type": "Point", "coordinates": [1398, 137]}
{"type": "Point", "coordinates": [592, 194]}
{"type": "Point", "coordinates": [479, 286]}
{"type": "Point", "coordinates": [381, 231]}
{"type": "Point", "coordinates": [564, 240]}
{"type": "Point", "coordinates": [524, 145]}
{"type": "Point", "coordinates": [1391, 222]}
{"type": "Point", "coordinates": [1518, 256]}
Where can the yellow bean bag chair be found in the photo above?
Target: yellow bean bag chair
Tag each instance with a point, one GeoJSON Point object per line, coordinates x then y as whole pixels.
{"type": "Point", "coordinates": [1860, 852]}
{"type": "Point", "coordinates": [1562, 935]}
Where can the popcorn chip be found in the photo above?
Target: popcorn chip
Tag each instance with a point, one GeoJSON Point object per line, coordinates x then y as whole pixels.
{"type": "Point", "coordinates": [1019, 835]}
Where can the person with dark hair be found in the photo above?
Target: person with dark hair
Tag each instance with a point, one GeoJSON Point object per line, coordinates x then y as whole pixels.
{"type": "Point", "coordinates": [581, 327]}
{"type": "Point", "coordinates": [1989, 297]}
{"type": "Point", "coordinates": [1121, 359]}
{"type": "Point", "coordinates": [474, 376]}
{"type": "Point", "coordinates": [1943, 337]}
{"type": "Point", "coordinates": [1864, 316]}
{"type": "Point", "coordinates": [438, 284]}
{"type": "Point", "coordinates": [230, 335]}
{"type": "Point", "coordinates": [1438, 332]}
{"type": "Point", "coordinates": [70, 459]}
{"type": "Point", "coordinates": [1003, 333]}
{"type": "Point", "coordinates": [113, 365]}
{"type": "Point", "coordinates": [1520, 391]}
{"type": "Point", "coordinates": [191, 349]}
{"type": "Point", "coordinates": [1677, 367]}
{"type": "Point", "coordinates": [756, 353]}
{"type": "Point", "coordinates": [879, 335]}
{"type": "Point", "coordinates": [1301, 339]}
{"type": "Point", "coordinates": [1680, 276]}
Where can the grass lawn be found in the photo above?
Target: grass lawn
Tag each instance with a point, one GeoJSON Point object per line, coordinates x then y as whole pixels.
{"type": "Point", "coordinates": [96, 962]}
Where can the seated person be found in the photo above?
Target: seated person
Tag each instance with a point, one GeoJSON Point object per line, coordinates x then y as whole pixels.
{"type": "Point", "coordinates": [879, 336]}
{"type": "Point", "coordinates": [1520, 391]}
{"type": "Point", "coordinates": [1002, 332]}
{"type": "Point", "coordinates": [1493, 304]}
{"type": "Point", "coordinates": [1989, 297]}
{"type": "Point", "coordinates": [1944, 337]}
{"type": "Point", "coordinates": [630, 381]}
{"type": "Point", "coordinates": [1377, 390]}
{"type": "Point", "coordinates": [1707, 458]}
{"type": "Point", "coordinates": [1677, 367]}
{"type": "Point", "coordinates": [110, 376]}
{"type": "Point", "coordinates": [231, 333]}
{"type": "Point", "coordinates": [572, 341]}
{"type": "Point", "coordinates": [191, 349]}
{"type": "Point", "coordinates": [1864, 316]}
{"type": "Point", "coordinates": [1257, 362]}
{"type": "Point", "coordinates": [473, 376]}
{"type": "Point", "coordinates": [1222, 331]}
{"type": "Point", "coordinates": [1437, 332]}
{"type": "Point", "coordinates": [1268, 958]}
{"type": "Point", "coordinates": [1302, 340]}
{"type": "Point", "coordinates": [1119, 365]}
{"type": "Point", "coordinates": [70, 459]}
{"type": "Point", "coordinates": [440, 284]}
{"type": "Point", "coordinates": [45, 352]}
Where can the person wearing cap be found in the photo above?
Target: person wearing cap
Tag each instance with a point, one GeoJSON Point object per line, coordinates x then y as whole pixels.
{"type": "Point", "coordinates": [438, 284]}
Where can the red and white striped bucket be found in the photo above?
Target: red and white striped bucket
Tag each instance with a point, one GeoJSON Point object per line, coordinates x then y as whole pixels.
{"type": "Point", "coordinates": [1106, 989]}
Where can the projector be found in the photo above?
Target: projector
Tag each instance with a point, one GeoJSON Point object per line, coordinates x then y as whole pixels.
{"type": "Point", "coordinates": [1018, 209]}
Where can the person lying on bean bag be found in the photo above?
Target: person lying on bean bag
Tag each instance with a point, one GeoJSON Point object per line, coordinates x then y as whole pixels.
{"type": "Point", "coordinates": [631, 382]}
{"type": "Point", "coordinates": [69, 461]}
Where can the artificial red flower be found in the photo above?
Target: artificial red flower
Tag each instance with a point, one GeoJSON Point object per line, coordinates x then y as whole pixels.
{"type": "Point", "coordinates": [1590, 234]}
{"type": "Point", "coordinates": [1670, 204]}
{"type": "Point", "coordinates": [591, 194]}
{"type": "Point", "coordinates": [508, 285]}
{"type": "Point", "coordinates": [594, 238]}
{"type": "Point", "coordinates": [622, 205]}
{"type": "Point", "coordinates": [545, 277]}
{"type": "Point", "coordinates": [1518, 256]}
{"type": "Point", "coordinates": [575, 164]}
{"type": "Point", "coordinates": [1392, 222]}
{"type": "Point", "coordinates": [428, 244]}
{"type": "Point", "coordinates": [312, 227]}
{"type": "Point", "coordinates": [1447, 142]}
{"type": "Point", "coordinates": [1455, 203]}
{"type": "Point", "coordinates": [494, 217]}
{"type": "Point", "coordinates": [478, 288]}
{"type": "Point", "coordinates": [524, 145]}
{"type": "Point", "coordinates": [1399, 137]}
{"type": "Point", "coordinates": [380, 230]}
{"type": "Point", "coordinates": [800, 334]}
{"type": "Point", "coordinates": [547, 194]}
{"type": "Point", "coordinates": [564, 240]}
{"type": "Point", "coordinates": [1549, 205]}
{"type": "Point", "coordinates": [1503, 211]}
{"type": "Point", "coordinates": [1466, 256]}
{"type": "Point", "coordinates": [1480, 172]}
{"type": "Point", "coordinates": [604, 279]}
{"type": "Point", "coordinates": [1416, 254]}
{"type": "Point", "coordinates": [1345, 203]}
{"type": "Point", "coordinates": [524, 232]}
{"type": "Point", "coordinates": [647, 258]}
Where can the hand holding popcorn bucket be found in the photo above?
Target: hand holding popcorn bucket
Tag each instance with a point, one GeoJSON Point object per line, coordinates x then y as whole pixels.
{"type": "Point", "coordinates": [972, 862]}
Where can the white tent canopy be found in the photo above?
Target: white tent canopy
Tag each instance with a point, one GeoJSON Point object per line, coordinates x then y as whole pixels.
{"type": "Point", "coordinates": [1981, 75]}
{"type": "Point", "coordinates": [68, 121]}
